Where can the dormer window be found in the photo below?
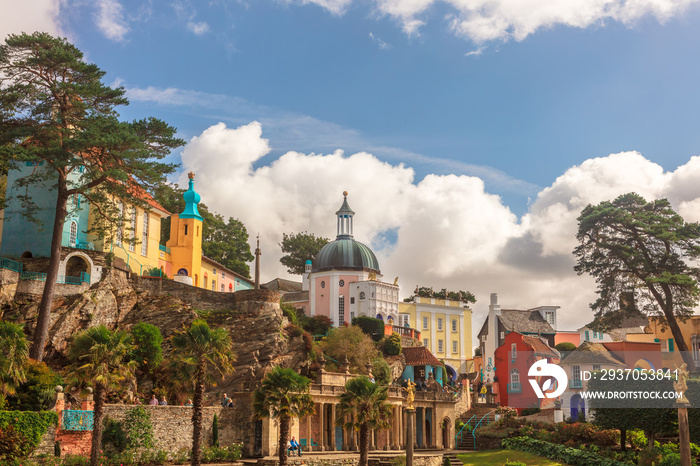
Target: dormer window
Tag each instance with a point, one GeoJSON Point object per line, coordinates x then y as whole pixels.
{"type": "Point", "coordinates": [549, 317]}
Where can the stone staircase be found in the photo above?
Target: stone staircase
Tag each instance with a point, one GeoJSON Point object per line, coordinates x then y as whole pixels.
{"type": "Point", "coordinates": [452, 456]}
{"type": "Point", "coordinates": [478, 417]}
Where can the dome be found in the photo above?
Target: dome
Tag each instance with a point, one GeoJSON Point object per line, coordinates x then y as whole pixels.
{"type": "Point", "coordinates": [345, 254]}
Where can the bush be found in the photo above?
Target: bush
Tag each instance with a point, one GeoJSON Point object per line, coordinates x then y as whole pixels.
{"type": "Point", "coordinates": [139, 430]}
{"type": "Point", "coordinates": [223, 454]}
{"type": "Point", "coordinates": [113, 434]}
{"type": "Point", "coordinates": [555, 452]}
{"type": "Point", "coordinates": [148, 342]}
{"type": "Point", "coordinates": [371, 326]}
{"type": "Point", "coordinates": [31, 427]}
{"type": "Point", "coordinates": [446, 461]}
{"type": "Point", "coordinates": [565, 346]}
{"type": "Point", "coordinates": [316, 325]}
{"type": "Point", "coordinates": [11, 442]}
{"type": "Point", "coordinates": [215, 431]}
{"type": "Point", "coordinates": [529, 411]}
{"type": "Point", "coordinates": [398, 461]}
{"type": "Point", "coordinates": [506, 412]}
{"type": "Point", "coordinates": [391, 345]}
{"type": "Point", "coordinates": [37, 392]}
{"type": "Point", "coordinates": [381, 371]}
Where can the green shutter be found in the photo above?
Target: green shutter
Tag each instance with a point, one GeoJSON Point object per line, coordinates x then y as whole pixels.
{"type": "Point", "coordinates": [670, 344]}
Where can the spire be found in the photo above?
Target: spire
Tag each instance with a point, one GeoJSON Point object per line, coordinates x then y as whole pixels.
{"type": "Point", "coordinates": [345, 218]}
{"type": "Point", "coordinates": [192, 199]}
{"type": "Point", "coordinates": [258, 253]}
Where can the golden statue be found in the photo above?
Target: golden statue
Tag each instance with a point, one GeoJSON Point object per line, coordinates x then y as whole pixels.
{"type": "Point", "coordinates": [372, 276]}
{"type": "Point", "coordinates": [681, 385]}
{"type": "Point", "coordinates": [396, 281]}
{"type": "Point", "coordinates": [410, 393]}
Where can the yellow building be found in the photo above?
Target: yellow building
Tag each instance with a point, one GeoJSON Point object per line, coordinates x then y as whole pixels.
{"type": "Point", "coordinates": [662, 334]}
{"type": "Point", "coordinates": [446, 329]}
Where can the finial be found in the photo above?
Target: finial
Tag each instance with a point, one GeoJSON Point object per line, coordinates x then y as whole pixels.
{"type": "Point", "coordinates": [345, 193]}
{"type": "Point", "coordinates": [190, 175]}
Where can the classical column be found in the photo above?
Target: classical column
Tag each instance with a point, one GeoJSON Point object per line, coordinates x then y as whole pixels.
{"type": "Point", "coordinates": [435, 426]}
{"type": "Point", "coordinates": [410, 435]}
{"type": "Point", "coordinates": [372, 439]}
{"type": "Point", "coordinates": [331, 443]}
{"type": "Point", "coordinates": [322, 428]}
{"type": "Point", "coordinates": [308, 432]}
{"type": "Point", "coordinates": [684, 434]}
{"type": "Point", "coordinates": [422, 429]}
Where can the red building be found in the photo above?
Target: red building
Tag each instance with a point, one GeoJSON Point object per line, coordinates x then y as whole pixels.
{"type": "Point", "coordinates": [513, 360]}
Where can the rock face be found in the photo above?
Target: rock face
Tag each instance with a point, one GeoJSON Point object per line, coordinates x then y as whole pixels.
{"type": "Point", "coordinates": [253, 319]}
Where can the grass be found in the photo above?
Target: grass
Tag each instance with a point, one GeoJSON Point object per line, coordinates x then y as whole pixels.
{"type": "Point", "coordinates": [499, 457]}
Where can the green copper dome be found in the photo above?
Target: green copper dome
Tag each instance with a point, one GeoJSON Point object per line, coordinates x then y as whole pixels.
{"type": "Point", "coordinates": [345, 254]}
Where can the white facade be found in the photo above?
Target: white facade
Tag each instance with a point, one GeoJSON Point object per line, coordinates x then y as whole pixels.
{"type": "Point", "coordinates": [490, 341]}
{"type": "Point", "coordinates": [377, 299]}
{"type": "Point", "coordinates": [594, 337]}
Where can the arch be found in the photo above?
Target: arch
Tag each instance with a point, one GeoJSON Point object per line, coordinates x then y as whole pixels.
{"type": "Point", "coordinates": [76, 264]}
{"type": "Point", "coordinates": [451, 373]}
{"type": "Point", "coordinates": [78, 261]}
{"type": "Point", "coordinates": [27, 255]}
{"type": "Point", "coordinates": [380, 317]}
{"type": "Point", "coordinates": [577, 405]}
{"type": "Point", "coordinates": [362, 295]}
{"type": "Point", "coordinates": [446, 425]}
{"type": "Point", "coordinates": [182, 271]}
{"type": "Point", "coordinates": [644, 364]}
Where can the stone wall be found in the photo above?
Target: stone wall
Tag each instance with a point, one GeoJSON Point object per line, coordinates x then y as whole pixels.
{"type": "Point", "coordinates": [36, 287]}
{"type": "Point", "coordinates": [351, 460]}
{"type": "Point", "coordinates": [463, 401]}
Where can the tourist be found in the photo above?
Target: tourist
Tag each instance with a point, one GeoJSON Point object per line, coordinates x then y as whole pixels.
{"type": "Point", "coordinates": [154, 401]}
{"type": "Point", "coordinates": [225, 400]}
{"type": "Point", "coordinates": [163, 402]}
{"type": "Point", "coordinates": [189, 402]}
{"type": "Point", "coordinates": [294, 446]}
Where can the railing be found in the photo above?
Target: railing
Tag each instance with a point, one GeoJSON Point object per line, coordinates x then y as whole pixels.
{"type": "Point", "coordinates": [38, 276]}
{"type": "Point", "coordinates": [128, 257]}
{"type": "Point", "coordinates": [84, 245]}
{"type": "Point", "coordinates": [10, 265]}
{"type": "Point", "coordinates": [84, 277]}
{"type": "Point", "coordinates": [164, 248]}
{"type": "Point", "coordinates": [575, 383]}
{"type": "Point", "coordinates": [405, 331]}
{"type": "Point", "coordinates": [514, 388]}
{"type": "Point", "coordinates": [466, 425]}
{"type": "Point", "coordinates": [68, 280]}
{"type": "Point", "coordinates": [434, 396]}
{"type": "Point", "coordinates": [74, 419]}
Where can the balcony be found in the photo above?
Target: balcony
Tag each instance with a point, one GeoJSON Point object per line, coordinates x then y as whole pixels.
{"type": "Point", "coordinates": [575, 383]}
{"type": "Point", "coordinates": [403, 331]}
{"type": "Point", "coordinates": [514, 387]}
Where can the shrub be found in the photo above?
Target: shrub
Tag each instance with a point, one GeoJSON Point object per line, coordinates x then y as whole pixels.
{"type": "Point", "coordinates": [37, 392]}
{"type": "Point", "coordinates": [222, 454]}
{"type": "Point", "coordinates": [391, 345]}
{"type": "Point", "coordinates": [506, 412]}
{"type": "Point", "coordinates": [371, 326]}
{"type": "Point", "coordinates": [607, 437]}
{"type": "Point", "coordinates": [11, 442]}
{"type": "Point", "coordinates": [113, 434]}
{"type": "Point", "coordinates": [565, 346]}
{"type": "Point", "coordinates": [139, 430]}
{"type": "Point", "coordinates": [215, 431]}
{"type": "Point", "coordinates": [637, 439]}
{"type": "Point", "coordinates": [446, 461]}
{"type": "Point", "coordinates": [381, 371]}
{"type": "Point", "coordinates": [30, 425]}
{"type": "Point", "coordinates": [148, 342]}
{"type": "Point", "coordinates": [571, 456]}
{"type": "Point", "coordinates": [398, 461]}
{"type": "Point", "coordinates": [529, 411]}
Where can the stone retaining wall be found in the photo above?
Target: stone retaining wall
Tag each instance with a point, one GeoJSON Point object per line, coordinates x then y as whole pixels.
{"type": "Point", "coordinates": [422, 460]}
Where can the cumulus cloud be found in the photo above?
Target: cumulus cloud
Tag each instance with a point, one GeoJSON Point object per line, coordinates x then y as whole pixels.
{"type": "Point", "coordinates": [198, 28]}
{"type": "Point", "coordinates": [486, 20]}
{"type": "Point", "coordinates": [29, 16]}
{"type": "Point", "coordinates": [446, 230]}
{"type": "Point", "coordinates": [110, 19]}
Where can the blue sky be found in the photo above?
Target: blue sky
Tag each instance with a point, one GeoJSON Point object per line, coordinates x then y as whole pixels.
{"type": "Point", "coordinates": [528, 98]}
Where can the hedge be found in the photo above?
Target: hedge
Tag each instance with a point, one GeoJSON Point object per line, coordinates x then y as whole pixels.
{"type": "Point", "coordinates": [552, 451]}
{"type": "Point", "coordinates": [32, 425]}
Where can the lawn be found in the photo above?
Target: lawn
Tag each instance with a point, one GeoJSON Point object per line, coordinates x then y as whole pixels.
{"type": "Point", "coordinates": [499, 457]}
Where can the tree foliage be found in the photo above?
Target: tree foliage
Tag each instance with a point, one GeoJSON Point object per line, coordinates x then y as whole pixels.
{"type": "Point", "coordinates": [363, 406]}
{"type": "Point", "coordinates": [424, 292]}
{"type": "Point", "coordinates": [565, 346]}
{"type": "Point", "coordinates": [371, 326]}
{"type": "Point", "coordinates": [198, 353]}
{"type": "Point", "coordinates": [14, 350]}
{"type": "Point", "coordinates": [37, 392]}
{"type": "Point", "coordinates": [298, 248]}
{"type": "Point", "coordinates": [225, 241]}
{"type": "Point", "coordinates": [148, 346]}
{"type": "Point", "coordinates": [640, 254]}
{"type": "Point", "coordinates": [283, 395]}
{"type": "Point", "coordinates": [58, 116]}
{"type": "Point", "coordinates": [352, 343]}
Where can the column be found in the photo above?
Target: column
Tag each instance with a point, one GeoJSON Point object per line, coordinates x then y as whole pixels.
{"type": "Point", "coordinates": [322, 428]}
{"type": "Point", "coordinates": [331, 442]}
{"type": "Point", "coordinates": [410, 435]}
{"type": "Point", "coordinates": [422, 429]}
{"type": "Point", "coordinates": [308, 433]}
{"type": "Point", "coordinates": [372, 442]}
{"type": "Point", "coordinates": [435, 426]}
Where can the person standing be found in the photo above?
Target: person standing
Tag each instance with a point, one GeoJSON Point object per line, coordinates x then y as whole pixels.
{"type": "Point", "coordinates": [153, 402]}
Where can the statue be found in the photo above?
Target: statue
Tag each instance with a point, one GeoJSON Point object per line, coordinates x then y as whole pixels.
{"type": "Point", "coordinates": [410, 393]}
{"type": "Point", "coordinates": [396, 281]}
{"type": "Point", "coordinates": [681, 385]}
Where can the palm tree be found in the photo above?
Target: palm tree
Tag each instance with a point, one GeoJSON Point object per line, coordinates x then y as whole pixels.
{"type": "Point", "coordinates": [284, 395]}
{"type": "Point", "coordinates": [14, 351]}
{"type": "Point", "coordinates": [201, 351]}
{"type": "Point", "coordinates": [364, 407]}
{"type": "Point", "coordinates": [100, 357]}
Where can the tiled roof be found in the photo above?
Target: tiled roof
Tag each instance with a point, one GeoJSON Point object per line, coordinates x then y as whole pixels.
{"type": "Point", "coordinates": [295, 296]}
{"type": "Point", "coordinates": [619, 326]}
{"type": "Point", "coordinates": [419, 356]}
{"type": "Point", "coordinates": [515, 320]}
{"type": "Point", "coordinates": [282, 285]}
{"type": "Point", "coordinates": [591, 353]}
{"type": "Point", "coordinates": [541, 347]}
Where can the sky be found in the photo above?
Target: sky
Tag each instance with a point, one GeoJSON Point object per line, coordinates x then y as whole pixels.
{"type": "Point", "coordinates": [469, 133]}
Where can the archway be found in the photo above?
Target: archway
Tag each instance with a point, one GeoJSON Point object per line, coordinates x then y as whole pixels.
{"type": "Point", "coordinates": [446, 424]}
{"type": "Point", "coordinates": [428, 431]}
{"type": "Point", "coordinates": [577, 407]}
{"type": "Point", "coordinates": [182, 272]}
{"type": "Point", "coordinates": [644, 364]}
{"type": "Point", "coordinates": [76, 265]}
{"type": "Point", "coordinates": [380, 317]}
{"type": "Point", "coordinates": [27, 255]}
{"type": "Point", "coordinates": [451, 373]}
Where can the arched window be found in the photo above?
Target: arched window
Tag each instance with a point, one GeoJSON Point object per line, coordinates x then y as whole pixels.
{"type": "Point", "coordinates": [182, 272]}
{"type": "Point", "coordinates": [73, 238]}
{"type": "Point", "coordinates": [362, 295]}
{"type": "Point", "coordinates": [341, 310]}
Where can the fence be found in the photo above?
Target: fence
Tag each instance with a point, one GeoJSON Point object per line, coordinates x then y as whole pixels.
{"type": "Point", "coordinates": [10, 265]}
{"type": "Point", "coordinates": [39, 276]}
{"type": "Point", "coordinates": [74, 419]}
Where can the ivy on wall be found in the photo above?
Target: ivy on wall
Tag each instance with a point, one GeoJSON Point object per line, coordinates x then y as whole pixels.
{"type": "Point", "coordinates": [30, 425]}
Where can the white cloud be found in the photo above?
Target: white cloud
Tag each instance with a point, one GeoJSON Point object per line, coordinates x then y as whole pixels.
{"type": "Point", "coordinates": [110, 19]}
{"type": "Point", "coordinates": [450, 231]}
{"type": "Point", "coordinates": [380, 43]}
{"type": "Point", "coordinates": [198, 28]}
{"type": "Point", "coordinates": [337, 7]}
{"type": "Point", "coordinates": [29, 16]}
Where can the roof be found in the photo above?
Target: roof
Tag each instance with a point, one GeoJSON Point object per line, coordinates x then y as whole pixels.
{"type": "Point", "coordinates": [345, 254]}
{"type": "Point", "coordinates": [591, 353]}
{"type": "Point", "coordinates": [138, 192]}
{"type": "Point", "coordinates": [295, 297]}
{"type": "Point", "coordinates": [222, 266]}
{"type": "Point", "coordinates": [516, 320]}
{"type": "Point", "coordinates": [419, 356]}
{"type": "Point", "coordinates": [541, 346]}
{"type": "Point", "coordinates": [282, 285]}
{"type": "Point", "coordinates": [618, 327]}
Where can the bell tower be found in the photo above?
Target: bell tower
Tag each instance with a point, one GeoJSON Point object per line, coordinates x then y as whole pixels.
{"type": "Point", "coordinates": [185, 241]}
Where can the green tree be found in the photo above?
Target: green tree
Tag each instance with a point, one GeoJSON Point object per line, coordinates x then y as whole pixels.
{"type": "Point", "coordinates": [13, 358]}
{"type": "Point", "coordinates": [353, 343]}
{"type": "Point", "coordinates": [565, 346]}
{"type": "Point", "coordinates": [58, 115]}
{"type": "Point", "coordinates": [283, 395]}
{"type": "Point", "coordinates": [99, 357]}
{"type": "Point", "coordinates": [298, 248]}
{"type": "Point", "coordinates": [371, 326]}
{"type": "Point", "coordinates": [640, 255]}
{"type": "Point", "coordinates": [424, 292]}
{"type": "Point", "coordinates": [36, 393]}
{"type": "Point", "coordinates": [362, 407]}
{"type": "Point", "coordinates": [199, 352]}
{"type": "Point", "coordinates": [224, 241]}
{"type": "Point", "coordinates": [148, 347]}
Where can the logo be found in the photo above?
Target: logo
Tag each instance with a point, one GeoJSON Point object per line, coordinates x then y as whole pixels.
{"type": "Point", "coordinates": [544, 369]}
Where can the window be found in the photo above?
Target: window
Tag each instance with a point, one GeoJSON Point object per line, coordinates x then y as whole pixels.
{"type": "Point", "coordinates": [513, 351]}
{"type": "Point", "coordinates": [483, 338]}
{"type": "Point", "coordinates": [503, 335]}
{"type": "Point", "coordinates": [404, 320]}
{"type": "Point", "coordinates": [144, 235]}
{"type": "Point", "coordinates": [454, 347]}
{"type": "Point", "coordinates": [425, 342]}
{"type": "Point", "coordinates": [213, 285]}
{"type": "Point", "coordinates": [587, 336]}
{"type": "Point", "coordinates": [425, 323]}
{"type": "Point", "coordinates": [514, 376]}
{"type": "Point", "coordinates": [439, 323]}
{"type": "Point", "coordinates": [341, 310]}
{"type": "Point", "coordinates": [440, 349]}
{"type": "Point", "coordinates": [362, 295]}
{"type": "Point", "coordinates": [595, 334]}
{"type": "Point", "coordinates": [222, 288]}
{"type": "Point", "coordinates": [596, 367]}
{"type": "Point", "coordinates": [670, 345]}
{"type": "Point", "coordinates": [352, 316]}
{"type": "Point", "coordinates": [73, 238]}
{"type": "Point", "coordinates": [223, 274]}
{"type": "Point", "coordinates": [132, 246]}
{"type": "Point", "coordinates": [454, 325]}
{"type": "Point", "coordinates": [185, 230]}
{"type": "Point", "coordinates": [214, 271]}
{"type": "Point", "coordinates": [549, 316]}
{"type": "Point", "coordinates": [120, 225]}
{"type": "Point", "coordinates": [695, 347]}
{"type": "Point", "coordinates": [576, 372]}
{"type": "Point", "coordinates": [600, 335]}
